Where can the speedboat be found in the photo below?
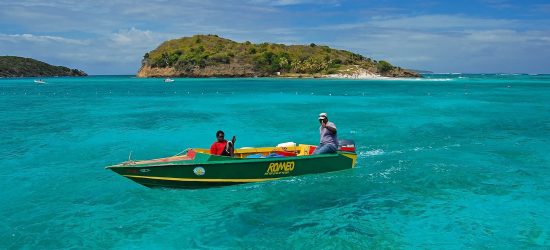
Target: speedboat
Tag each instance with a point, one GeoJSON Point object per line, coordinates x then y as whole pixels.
{"type": "Point", "coordinates": [197, 168]}
{"type": "Point", "coordinates": [39, 81]}
{"type": "Point", "coordinates": [168, 80]}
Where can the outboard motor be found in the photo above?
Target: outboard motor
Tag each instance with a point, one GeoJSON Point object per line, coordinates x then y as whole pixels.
{"type": "Point", "coordinates": [346, 145]}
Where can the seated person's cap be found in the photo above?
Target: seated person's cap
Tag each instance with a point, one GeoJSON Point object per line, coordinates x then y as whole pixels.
{"type": "Point", "coordinates": [322, 116]}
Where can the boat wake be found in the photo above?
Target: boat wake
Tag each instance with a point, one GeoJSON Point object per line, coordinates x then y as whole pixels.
{"type": "Point", "coordinates": [365, 154]}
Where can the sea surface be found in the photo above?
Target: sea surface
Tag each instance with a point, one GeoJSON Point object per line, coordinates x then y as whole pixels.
{"type": "Point", "coordinates": [451, 161]}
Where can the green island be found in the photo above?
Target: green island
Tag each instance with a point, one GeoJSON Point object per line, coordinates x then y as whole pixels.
{"type": "Point", "coordinates": [14, 66]}
{"type": "Point", "coordinates": [214, 56]}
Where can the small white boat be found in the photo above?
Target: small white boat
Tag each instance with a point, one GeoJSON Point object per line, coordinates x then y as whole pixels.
{"type": "Point", "coordinates": [168, 80]}
{"type": "Point", "coordinates": [39, 81]}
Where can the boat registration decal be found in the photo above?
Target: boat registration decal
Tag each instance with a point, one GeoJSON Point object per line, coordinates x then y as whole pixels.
{"type": "Point", "coordinates": [199, 171]}
{"type": "Point", "coordinates": [275, 168]}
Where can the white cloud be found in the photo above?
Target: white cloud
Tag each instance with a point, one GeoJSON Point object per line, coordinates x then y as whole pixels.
{"type": "Point", "coordinates": [497, 36]}
{"type": "Point", "coordinates": [41, 39]}
{"type": "Point", "coordinates": [133, 36]}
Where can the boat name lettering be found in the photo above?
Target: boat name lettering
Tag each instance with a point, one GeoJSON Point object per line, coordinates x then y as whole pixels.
{"type": "Point", "coordinates": [279, 168]}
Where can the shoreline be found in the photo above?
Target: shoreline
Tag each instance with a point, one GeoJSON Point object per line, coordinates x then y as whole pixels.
{"type": "Point", "coordinates": [361, 77]}
{"type": "Point", "coordinates": [358, 73]}
{"type": "Point", "coordinates": [331, 76]}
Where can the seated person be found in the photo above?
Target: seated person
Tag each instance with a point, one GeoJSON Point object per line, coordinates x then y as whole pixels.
{"type": "Point", "coordinates": [329, 138]}
{"type": "Point", "coordinates": [221, 146]}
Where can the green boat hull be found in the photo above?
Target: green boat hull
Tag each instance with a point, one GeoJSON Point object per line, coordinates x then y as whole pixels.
{"type": "Point", "coordinates": [205, 170]}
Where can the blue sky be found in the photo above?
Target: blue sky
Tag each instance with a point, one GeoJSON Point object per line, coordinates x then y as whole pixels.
{"type": "Point", "coordinates": [111, 36]}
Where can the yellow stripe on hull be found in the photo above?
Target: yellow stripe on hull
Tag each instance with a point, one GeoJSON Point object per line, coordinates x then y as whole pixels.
{"type": "Point", "coordinates": [353, 157]}
{"type": "Point", "coordinates": [198, 180]}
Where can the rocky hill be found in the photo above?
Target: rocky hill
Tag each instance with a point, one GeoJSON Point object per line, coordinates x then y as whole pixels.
{"type": "Point", "coordinates": [14, 66]}
{"type": "Point", "coordinates": [213, 56]}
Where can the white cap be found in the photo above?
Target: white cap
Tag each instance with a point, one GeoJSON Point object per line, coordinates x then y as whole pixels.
{"type": "Point", "coordinates": [322, 116]}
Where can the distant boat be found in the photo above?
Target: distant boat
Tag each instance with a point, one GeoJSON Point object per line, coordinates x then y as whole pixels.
{"type": "Point", "coordinates": [168, 80]}
{"type": "Point", "coordinates": [39, 81]}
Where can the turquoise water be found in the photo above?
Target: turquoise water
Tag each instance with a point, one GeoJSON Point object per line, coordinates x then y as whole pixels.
{"type": "Point", "coordinates": [450, 161]}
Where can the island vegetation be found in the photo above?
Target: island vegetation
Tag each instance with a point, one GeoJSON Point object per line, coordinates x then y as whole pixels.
{"type": "Point", "coordinates": [214, 56]}
{"type": "Point", "coordinates": [14, 66]}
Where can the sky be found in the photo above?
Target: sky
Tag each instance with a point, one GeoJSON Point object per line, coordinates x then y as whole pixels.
{"type": "Point", "coordinates": [110, 37]}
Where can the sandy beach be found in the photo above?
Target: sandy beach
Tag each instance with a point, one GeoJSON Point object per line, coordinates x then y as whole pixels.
{"type": "Point", "coordinates": [357, 73]}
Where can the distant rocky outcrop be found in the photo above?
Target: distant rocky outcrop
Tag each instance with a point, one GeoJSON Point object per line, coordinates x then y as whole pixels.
{"type": "Point", "coordinates": [14, 66]}
{"type": "Point", "coordinates": [213, 56]}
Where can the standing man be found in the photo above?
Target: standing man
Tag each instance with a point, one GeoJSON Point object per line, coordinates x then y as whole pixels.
{"type": "Point", "coordinates": [329, 140]}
